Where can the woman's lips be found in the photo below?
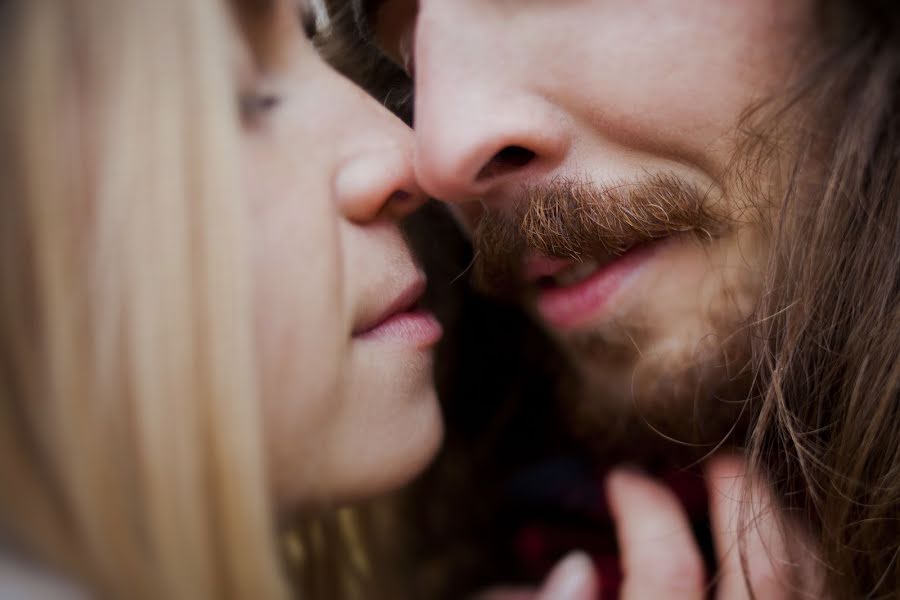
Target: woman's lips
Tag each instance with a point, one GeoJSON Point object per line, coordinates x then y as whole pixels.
{"type": "Point", "coordinates": [416, 327]}
{"type": "Point", "coordinates": [566, 307]}
{"type": "Point", "coordinates": [401, 320]}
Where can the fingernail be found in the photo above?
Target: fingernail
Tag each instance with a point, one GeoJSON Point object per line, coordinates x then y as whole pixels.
{"type": "Point", "coordinates": [572, 579]}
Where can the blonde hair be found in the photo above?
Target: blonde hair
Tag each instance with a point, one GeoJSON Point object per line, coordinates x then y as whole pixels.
{"type": "Point", "coordinates": [130, 435]}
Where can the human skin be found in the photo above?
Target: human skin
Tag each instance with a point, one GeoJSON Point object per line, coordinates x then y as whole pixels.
{"type": "Point", "coordinates": [344, 357]}
{"type": "Point", "coordinates": [660, 557]}
{"type": "Point", "coordinates": [511, 95]}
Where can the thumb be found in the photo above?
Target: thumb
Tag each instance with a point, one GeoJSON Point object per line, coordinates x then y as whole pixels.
{"type": "Point", "coordinates": [574, 578]}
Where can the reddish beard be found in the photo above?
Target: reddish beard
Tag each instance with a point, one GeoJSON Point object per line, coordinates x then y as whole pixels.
{"type": "Point", "coordinates": [691, 402]}
{"type": "Point", "coordinates": [580, 220]}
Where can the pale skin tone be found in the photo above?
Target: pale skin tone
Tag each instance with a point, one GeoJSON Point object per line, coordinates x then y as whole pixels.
{"type": "Point", "coordinates": [509, 94]}
{"type": "Point", "coordinates": [349, 411]}
{"type": "Point", "coordinates": [606, 91]}
{"type": "Point", "coordinates": [659, 556]}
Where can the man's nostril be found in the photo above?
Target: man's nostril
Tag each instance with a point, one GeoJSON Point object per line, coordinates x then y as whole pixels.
{"type": "Point", "coordinates": [515, 156]}
{"type": "Point", "coordinates": [507, 160]}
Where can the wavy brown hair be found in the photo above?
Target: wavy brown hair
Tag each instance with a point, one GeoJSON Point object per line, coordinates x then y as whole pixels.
{"type": "Point", "coordinates": [826, 346]}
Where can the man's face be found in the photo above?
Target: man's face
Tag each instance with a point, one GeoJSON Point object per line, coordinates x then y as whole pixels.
{"type": "Point", "coordinates": [594, 150]}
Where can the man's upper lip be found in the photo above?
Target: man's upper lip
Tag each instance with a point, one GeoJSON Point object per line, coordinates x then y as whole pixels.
{"type": "Point", "coordinates": [402, 302]}
{"type": "Point", "coordinates": [536, 266]}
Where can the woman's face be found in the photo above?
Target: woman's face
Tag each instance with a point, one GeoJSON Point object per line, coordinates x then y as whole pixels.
{"type": "Point", "coordinates": [345, 358]}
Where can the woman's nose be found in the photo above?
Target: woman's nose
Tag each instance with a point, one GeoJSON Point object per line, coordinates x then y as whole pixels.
{"type": "Point", "coordinates": [378, 182]}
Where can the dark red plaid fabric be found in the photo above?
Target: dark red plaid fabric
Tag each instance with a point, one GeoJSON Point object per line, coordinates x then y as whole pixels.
{"type": "Point", "coordinates": [562, 507]}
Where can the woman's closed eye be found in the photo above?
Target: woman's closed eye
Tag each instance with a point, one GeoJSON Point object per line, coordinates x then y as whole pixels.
{"type": "Point", "coordinates": [254, 105]}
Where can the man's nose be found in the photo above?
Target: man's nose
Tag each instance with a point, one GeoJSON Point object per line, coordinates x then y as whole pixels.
{"type": "Point", "coordinates": [478, 125]}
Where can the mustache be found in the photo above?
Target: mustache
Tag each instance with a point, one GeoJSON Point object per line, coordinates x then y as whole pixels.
{"type": "Point", "coordinates": [579, 219]}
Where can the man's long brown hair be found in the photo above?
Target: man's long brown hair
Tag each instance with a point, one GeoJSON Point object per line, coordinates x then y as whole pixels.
{"type": "Point", "coordinates": [827, 373]}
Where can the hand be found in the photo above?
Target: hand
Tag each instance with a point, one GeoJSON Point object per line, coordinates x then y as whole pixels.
{"type": "Point", "coordinates": [660, 557]}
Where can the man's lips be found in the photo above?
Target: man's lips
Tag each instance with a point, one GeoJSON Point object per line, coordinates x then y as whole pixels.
{"type": "Point", "coordinates": [401, 319]}
{"type": "Point", "coordinates": [546, 272]}
{"type": "Point", "coordinates": [537, 266]}
{"type": "Point", "coordinates": [571, 293]}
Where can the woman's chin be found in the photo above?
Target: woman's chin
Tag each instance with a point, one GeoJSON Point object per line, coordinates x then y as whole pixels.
{"type": "Point", "coordinates": [375, 455]}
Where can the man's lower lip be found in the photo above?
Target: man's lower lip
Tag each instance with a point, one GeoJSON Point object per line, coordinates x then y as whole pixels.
{"type": "Point", "coordinates": [417, 328]}
{"type": "Point", "coordinates": [571, 306]}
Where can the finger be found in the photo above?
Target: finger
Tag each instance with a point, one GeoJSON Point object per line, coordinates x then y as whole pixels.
{"type": "Point", "coordinates": [750, 547]}
{"type": "Point", "coordinates": [660, 558]}
{"type": "Point", "coordinates": [573, 578]}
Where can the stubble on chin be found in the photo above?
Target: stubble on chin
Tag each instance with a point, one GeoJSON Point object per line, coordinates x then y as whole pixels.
{"type": "Point", "coordinates": [659, 406]}
{"type": "Point", "coordinates": [635, 395]}
{"type": "Point", "coordinates": [642, 386]}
